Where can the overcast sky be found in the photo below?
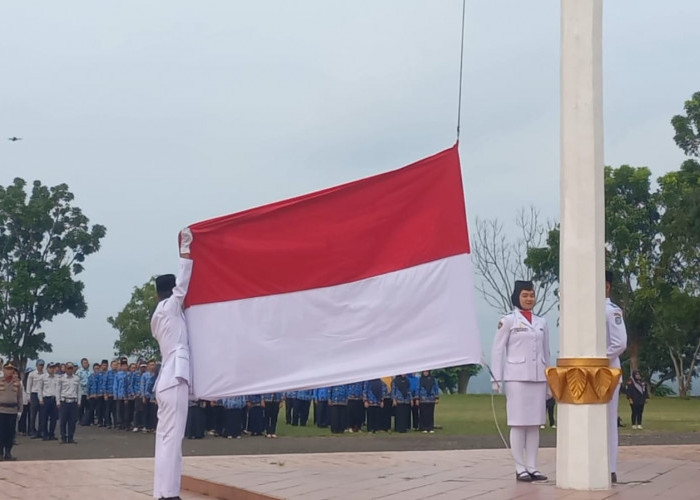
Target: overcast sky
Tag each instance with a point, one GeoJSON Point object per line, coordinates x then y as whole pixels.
{"type": "Point", "coordinates": [159, 114]}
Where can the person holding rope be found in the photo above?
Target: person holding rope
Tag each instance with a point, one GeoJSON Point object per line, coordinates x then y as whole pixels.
{"type": "Point", "coordinates": [519, 357]}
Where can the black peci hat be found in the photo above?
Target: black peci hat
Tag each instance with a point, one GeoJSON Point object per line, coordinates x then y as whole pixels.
{"type": "Point", "coordinates": [609, 276]}
{"type": "Point", "coordinates": [165, 283]}
{"type": "Point", "coordinates": [519, 287]}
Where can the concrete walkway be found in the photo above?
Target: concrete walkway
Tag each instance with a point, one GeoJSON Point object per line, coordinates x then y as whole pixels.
{"type": "Point", "coordinates": [645, 472]}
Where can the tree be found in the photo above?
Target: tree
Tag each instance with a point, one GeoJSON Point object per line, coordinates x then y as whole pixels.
{"type": "Point", "coordinates": [687, 127]}
{"type": "Point", "coordinates": [134, 324]}
{"type": "Point", "coordinates": [500, 260]}
{"type": "Point", "coordinates": [678, 328]}
{"type": "Point", "coordinates": [456, 378]}
{"type": "Point", "coordinates": [44, 240]}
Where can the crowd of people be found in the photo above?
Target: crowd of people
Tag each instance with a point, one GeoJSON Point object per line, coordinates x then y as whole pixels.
{"type": "Point", "coordinates": [120, 395]}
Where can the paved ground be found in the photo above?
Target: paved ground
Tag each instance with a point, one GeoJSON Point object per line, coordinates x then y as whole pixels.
{"type": "Point", "coordinates": [646, 472]}
{"type": "Point", "coordinates": [94, 442]}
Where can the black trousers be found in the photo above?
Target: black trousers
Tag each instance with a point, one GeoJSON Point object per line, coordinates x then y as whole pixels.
{"type": "Point", "coordinates": [151, 415]}
{"type": "Point", "coordinates": [139, 413]}
{"type": "Point", "coordinates": [427, 416]}
{"type": "Point", "coordinates": [356, 414]}
{"type": "Point", "coordinates": [387, 413]}
{"type": "Point", "coordinates": [288, 406]}
{"type": "Point", "coordinates": [374, 419]}
{"type": "Point", "coordinates": [7, 432]}
{"type": "Point", "coordinates": [83, 410]}
{"type": "Point", "coordinates": [89, 414]}
{"type": "Point", "coordinates": [338, 418]}
{"type": "Point", "coordinates": [550, 412]}
{"type": "Point", "coordinates": [402, 419]}
{"type": "Point", "coordinates": [130, 405]}
{"type": "Point", "coordinates": [109, 415]}
{"type": "Point", "coordinates": [272, 410]}
{"type": "Point", "coordinates": [100, 404]}
{"type": "Point", "coordinates": [69, 417]}
{"type": "Point", "coordinates": [34, 410]}
{"type": "Point", "coordinates": [300, 412]}
{"type": "Point", "coordinates": [194, 428]}
{"type": "Point", "coordinates": [322, 414]}
{"type": "Point", "coordinates": [23, 420]}
{"type": "Point", "coordinates": [119, 413]}
{"type": "Point", "coordinates": [415, 415]}
{"type": "Point", "coordinates": [234, 421]}
{"type": "Point", "coordinates": [637, 411]}
{"type": "Point", "coordinates": [256, 423]}
{"type": "Point", "coordinates": [48, 417]}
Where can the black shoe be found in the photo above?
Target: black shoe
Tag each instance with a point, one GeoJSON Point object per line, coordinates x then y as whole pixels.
{"type": "Point", "coordinates": [613, 477]}
{"type": "Point", "coordinates": [9, 458]}
{"type": "Point", "coordinates": [170, 498]}
{"type": "Point", "coordinates": [538, 476]}
{"type": "Point", "coordinates": [523, 476]}
{"type": "Point", "coordinates": [72, 441]}
{"type": "Point", "coordinates": [35, 436]}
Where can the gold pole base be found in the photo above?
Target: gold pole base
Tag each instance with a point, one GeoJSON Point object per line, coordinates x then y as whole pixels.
{"type": "Point", "coordinates": [583, 381]}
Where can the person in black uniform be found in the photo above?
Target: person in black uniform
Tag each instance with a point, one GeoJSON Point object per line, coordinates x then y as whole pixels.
{"type": "Point", "coordinates": [637, 394]}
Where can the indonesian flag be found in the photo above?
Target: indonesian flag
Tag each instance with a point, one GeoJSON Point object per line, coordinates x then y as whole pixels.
{"type": "Point", "coordinates": [359, 281]}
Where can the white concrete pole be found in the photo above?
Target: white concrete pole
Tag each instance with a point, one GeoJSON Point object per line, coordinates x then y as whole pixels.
{"type": "Point", "coordinates": [582, 442]}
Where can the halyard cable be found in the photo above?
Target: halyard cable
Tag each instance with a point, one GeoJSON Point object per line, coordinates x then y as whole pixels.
{"type": "Point", "coordinates": [461, 67]}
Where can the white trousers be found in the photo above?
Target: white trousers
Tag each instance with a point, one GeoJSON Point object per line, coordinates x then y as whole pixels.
{"type": "Point", "coordinates": [172, 417]}
{"type": "Point", "coordinates": [524, 445]}
{"type": "Point", "coordinates": [612, 429]}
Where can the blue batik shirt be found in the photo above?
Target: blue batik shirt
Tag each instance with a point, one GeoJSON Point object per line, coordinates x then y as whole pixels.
{"type": "Point", "coordinates": [135, 386]}
{"type": "Point", "coordinates": [306, 395]}
{"type": "Point", "coordinates": [109, 384]}
{"type": "Point", "coordinates": [254, 399]}
{"type": "Point", "coordinates": [321, 394]}
{"type": "Point", "coordinates": [355, 390]}
{"type": "Point", "coordinates": [371, 397]}
{"type": "Point", "coordinates": [429, 396]}
{"type": "Point", "coordinates": [273, 396]}
{"type": "Point", "coordinates": [338, 395]}
{"type": "Point", "coordinates": [398, 396]}
{"type": "Point", "coordinates": [413, 383]}
{"type": "Point", "coordinates": [93, 384]}
{"type": "Point", "coordinates": [233, 403]}
{"type": "Point", "coordinates": [120, 385]}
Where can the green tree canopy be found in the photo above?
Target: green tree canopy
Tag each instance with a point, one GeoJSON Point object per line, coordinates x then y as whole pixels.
{"type": "Point", "coordinates": [44, 240]}
{"type": "Point", "coordinates": [687, 127]}
{"type": "Point", "coordinates": [134, 324]}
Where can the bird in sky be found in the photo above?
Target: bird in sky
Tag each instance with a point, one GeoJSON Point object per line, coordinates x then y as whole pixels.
{"type": "Point", "coordinates": [14, 139]}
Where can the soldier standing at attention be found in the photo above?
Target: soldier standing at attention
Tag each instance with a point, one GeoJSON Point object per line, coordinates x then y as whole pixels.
{"type": "Point", "coordinates": [617, 343]}
{"type": "Point", "coordinates": [10, 402]}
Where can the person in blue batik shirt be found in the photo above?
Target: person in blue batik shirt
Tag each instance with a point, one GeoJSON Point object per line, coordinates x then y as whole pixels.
{"type": "Point", "coordinates": [415, 415]}
{"type": "Point", "coordinates": [300, 412]}
{"type": "Point", "coordinates": [428, 397]}
{"type": "Point", "coordinates": [83, 374]}
{"type": "Point", "coordinates": [403, 400]}
{"type": "Point", "coordinates": [271, 405]}
{"type": "Point", "coordinates": [322, 417]}
{"type": "Point", "coordinates": [92, 392]}
{"type": "Point", "coordinates": [338, 401]}
{"type": "Point", "coordinates": [374, 393]}
{"type": "Point", "coordinates": [356, 406]}
{"type": "Point", "coordinates": [109, 395]}
{"type": "Point", "coordinates": [289, 402]}
{"type": "Point", "coordinates": [101, 400]}
{"type": "Point", "coordinates": [256, 422]}
{"type": "Point", "coordinates": [120, 395]}
{"type": "Point", "coordinates": [233, 416]}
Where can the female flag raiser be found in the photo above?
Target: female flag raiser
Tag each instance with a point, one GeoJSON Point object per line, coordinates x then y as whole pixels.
{"type": "Point", "coordinates": [359, 281]}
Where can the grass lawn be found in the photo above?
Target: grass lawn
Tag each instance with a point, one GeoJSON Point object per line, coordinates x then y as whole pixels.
{"type": "Point", "coordinates": [473, 414]}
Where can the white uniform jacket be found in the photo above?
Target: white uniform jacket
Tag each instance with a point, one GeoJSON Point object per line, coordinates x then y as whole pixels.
{"type": "Point", "coordinates": [170, 330]}
{"type": "Point", "coordinates": [521, 349]}
{"type": "Point", "coordinates": [616, 332]}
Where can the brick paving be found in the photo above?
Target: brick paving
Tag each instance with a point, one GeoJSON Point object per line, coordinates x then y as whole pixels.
{"type": "Point", "coordinates": [645, 472]}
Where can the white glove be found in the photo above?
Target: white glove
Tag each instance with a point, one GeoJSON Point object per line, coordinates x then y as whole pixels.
{"type": "Point", "coordinates": [185, 240]}
{"type": "Point", "coordinates": [496, 387]}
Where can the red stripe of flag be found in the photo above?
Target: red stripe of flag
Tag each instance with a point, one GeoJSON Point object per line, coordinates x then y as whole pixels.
{"type": "Point", "coordinates": [346, 233]}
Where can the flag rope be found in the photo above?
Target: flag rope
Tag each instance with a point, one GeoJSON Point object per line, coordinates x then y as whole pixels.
{"type": "Point", "coordinates": [461, 67]}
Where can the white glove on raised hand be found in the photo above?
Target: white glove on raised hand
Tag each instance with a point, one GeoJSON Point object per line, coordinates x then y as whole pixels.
{"type": "Point", "coordinates": [185, 240]}
{"type": "Point", "coordinates": [496, 387]}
